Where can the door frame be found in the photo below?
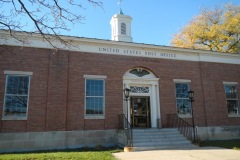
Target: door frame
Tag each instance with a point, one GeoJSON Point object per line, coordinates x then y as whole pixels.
{"type": "Point", "coordinates": [150, 81]}
{"type": "Point", "coordinates": [148, 112]}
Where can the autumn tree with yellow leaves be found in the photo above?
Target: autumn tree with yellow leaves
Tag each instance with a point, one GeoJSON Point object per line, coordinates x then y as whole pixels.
{"type": "Point", "coordinates": [216, 30]}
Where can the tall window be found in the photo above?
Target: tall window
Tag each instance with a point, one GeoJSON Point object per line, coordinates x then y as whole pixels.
{"type": "Point", "coordinates": [183, 104]}
{"type": "Point", "coordinates": [16, 96]}
{"type": "Point", "coordinates": [232, 98]}
{"type": "Point", "coordinates": [123, 28]}
{"type": "Point", "coordinates": [95, 96]}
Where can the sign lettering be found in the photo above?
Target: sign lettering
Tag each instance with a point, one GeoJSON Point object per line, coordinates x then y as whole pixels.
{"type": "Point", "coordinates": [142, 53]}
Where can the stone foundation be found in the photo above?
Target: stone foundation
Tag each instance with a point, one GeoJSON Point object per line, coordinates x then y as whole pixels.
{"type": "Point", "coordinates": [122, 138]}
{"type": "Point", "coordinates": [219, 132]}
{"type": "Point", "coordinates": [30, 141]}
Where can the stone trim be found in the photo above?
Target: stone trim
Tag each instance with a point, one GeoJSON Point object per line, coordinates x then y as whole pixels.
{"type": "Point", "coordinates": [181, 80]}
{"type": "Point", "coordinates": [18, 73]}
{"type": "Point", "coordinates": [30, 141]}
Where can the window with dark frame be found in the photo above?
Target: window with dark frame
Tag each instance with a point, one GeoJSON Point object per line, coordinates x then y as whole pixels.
{"type": "Point", "coordinates": [232, 99]}
{"type": "Point", "coordinates": [123, 28]}
{"type": "Point", "coordinates": [16, 95]}
{"type": "Point", "coordinates": [94, 92]}
{"type": "Point", "coordinates": [183, 104]}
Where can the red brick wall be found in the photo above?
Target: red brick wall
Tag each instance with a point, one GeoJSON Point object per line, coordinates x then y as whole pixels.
{"type": "Point", "coordinates": [57, 88]}
{"type": "Point", "coordinates": [36, 61]}
{"type": "Point", "coordinates": [215, 101]}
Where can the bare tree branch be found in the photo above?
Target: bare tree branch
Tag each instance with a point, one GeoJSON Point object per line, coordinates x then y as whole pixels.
{"type": "Point", "coordinates": [45, 17]}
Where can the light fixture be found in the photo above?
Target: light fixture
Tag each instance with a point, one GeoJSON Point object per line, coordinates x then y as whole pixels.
{"type": "Point", "coordinates": [191, 95]}
{"type": "Point", "coordinates": [126, 92]}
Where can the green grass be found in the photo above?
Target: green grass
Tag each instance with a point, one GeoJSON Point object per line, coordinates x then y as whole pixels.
{"type": "Point", "coordinates": [231, 144]}
{"type": "Point", "coordinates": [91, 154]}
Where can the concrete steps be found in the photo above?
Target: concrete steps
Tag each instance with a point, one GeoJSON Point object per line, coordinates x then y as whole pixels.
{"type": "Point", "coordinates": [154, 139]}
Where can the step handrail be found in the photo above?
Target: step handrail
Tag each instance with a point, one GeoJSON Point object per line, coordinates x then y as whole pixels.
{"type": "Point", "coordinates": [127, 128]}
{"type": "Point", "coordinates": [188, 130]}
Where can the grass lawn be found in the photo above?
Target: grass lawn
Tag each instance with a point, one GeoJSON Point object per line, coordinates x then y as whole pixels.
{"type": "Point", "coordinates": [231, 144]}
{"type": "Point", "coordinates": [60, 155]}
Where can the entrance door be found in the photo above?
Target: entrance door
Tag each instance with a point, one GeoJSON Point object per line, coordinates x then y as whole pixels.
{"type": "Point", "coordinates": [140, 112]}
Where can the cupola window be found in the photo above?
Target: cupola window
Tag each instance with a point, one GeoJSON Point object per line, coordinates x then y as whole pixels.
{"type": "Point", "coordinates": [123, 28]}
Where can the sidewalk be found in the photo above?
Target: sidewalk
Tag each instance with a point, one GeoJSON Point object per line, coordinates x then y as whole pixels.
{"type": "Point", "coordinates": [203, 153]}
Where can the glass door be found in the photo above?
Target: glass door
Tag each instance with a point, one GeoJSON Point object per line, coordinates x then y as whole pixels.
{"type": "Point", "coordinates": [140, 112]}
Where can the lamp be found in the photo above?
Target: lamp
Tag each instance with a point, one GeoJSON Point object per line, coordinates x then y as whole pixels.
{"type": "Point", "coordinates": [126, 92]}
{"type": "Point", "coordinates": [190, 96]}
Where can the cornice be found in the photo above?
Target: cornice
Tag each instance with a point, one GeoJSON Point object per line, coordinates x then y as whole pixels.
{"type": "Point", "coordinates": [92, 45]}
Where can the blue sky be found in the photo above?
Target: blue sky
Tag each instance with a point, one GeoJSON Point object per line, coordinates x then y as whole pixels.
{"type": "Point", "coordinates": [154, 21]}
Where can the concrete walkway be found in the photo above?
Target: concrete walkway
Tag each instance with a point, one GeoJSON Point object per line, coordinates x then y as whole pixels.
{"type": "Point", "coordinates": [204, 153]}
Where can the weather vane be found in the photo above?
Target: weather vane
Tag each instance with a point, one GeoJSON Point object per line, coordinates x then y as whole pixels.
{"type": "Point", "coordinates": [119, 3]}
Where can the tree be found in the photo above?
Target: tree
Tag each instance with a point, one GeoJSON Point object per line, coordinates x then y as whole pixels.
{"type": "Point", "coordinates": [44, 17]}
{"type": "Point", "coordinates": [215, 30]}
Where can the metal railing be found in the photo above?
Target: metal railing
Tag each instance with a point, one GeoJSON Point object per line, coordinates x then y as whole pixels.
{"type": "Point", "coordinates": [124, 125]}
{"type": "Point", "coordinates": [174, 121]}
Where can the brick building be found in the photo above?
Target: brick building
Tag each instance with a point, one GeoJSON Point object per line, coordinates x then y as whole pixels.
{"type": "Point", "coordinates": [73, 97]}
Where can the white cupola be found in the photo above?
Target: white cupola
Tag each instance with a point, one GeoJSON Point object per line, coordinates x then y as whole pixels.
{"type": "Point", "coordinates": [121, 27]}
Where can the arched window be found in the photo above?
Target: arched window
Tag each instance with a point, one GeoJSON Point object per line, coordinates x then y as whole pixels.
{"type": "Point", "coordinates": [123, 28]}
{"type": "Point", "coordinates": [140, 72]}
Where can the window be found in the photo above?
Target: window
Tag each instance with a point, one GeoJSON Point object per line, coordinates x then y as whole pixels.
{"type": "Point", "coordinates": [16, 95]}
{"type": "Point", "coordinates": [232, 98]}
{"type": "Point", "coordinates": [139, 72]}
{"type": "Point", "coordinates": [123, 28]}
{"type": "Point", "coordinates": [94, 96]}
{"type": "Point", "coordinates": [137, 89]}
{"type": "Point", "coordinates": [183, 104]}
